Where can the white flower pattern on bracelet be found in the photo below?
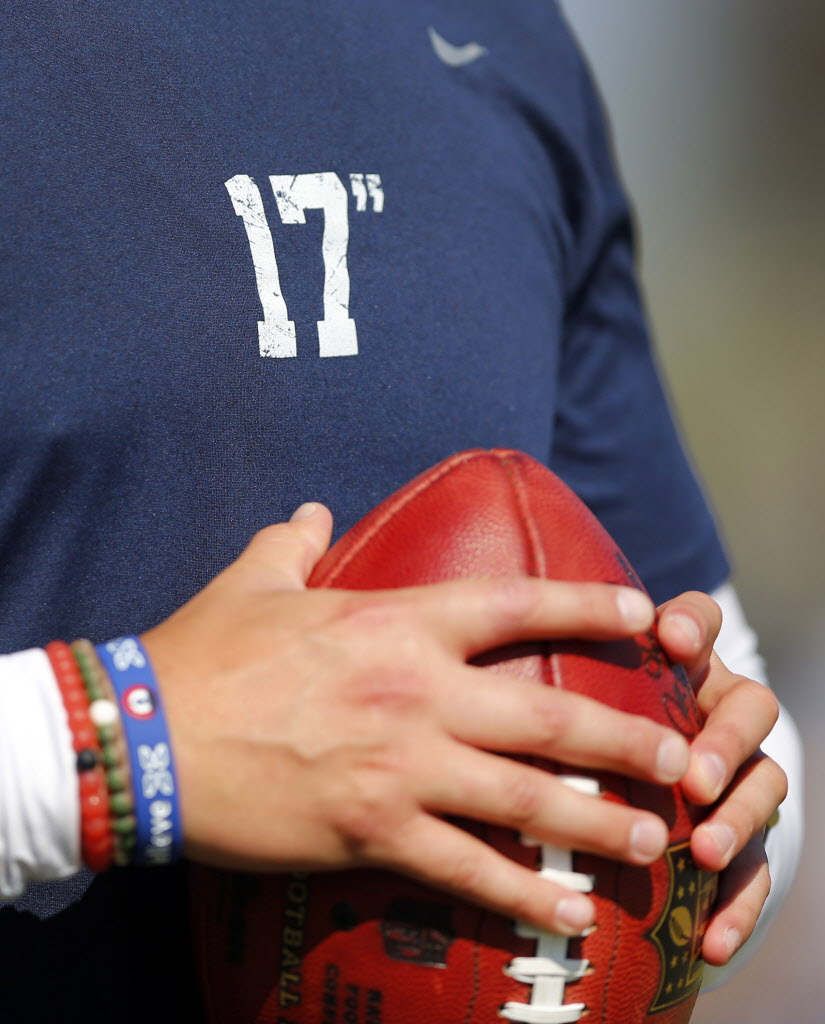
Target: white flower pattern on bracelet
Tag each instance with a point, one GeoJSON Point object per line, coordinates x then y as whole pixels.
{"type": "Point", "coordinates": [126, 654]}
{"type": "Point", "coordinates": [155, 762]}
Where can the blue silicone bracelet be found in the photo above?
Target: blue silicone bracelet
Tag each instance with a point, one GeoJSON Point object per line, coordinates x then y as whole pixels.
{"type": "Point", "coordinates": [159, 832]}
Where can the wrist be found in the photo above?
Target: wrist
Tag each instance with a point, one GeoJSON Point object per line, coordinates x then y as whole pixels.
{"type": "Point", "coordinates": [151, 763]}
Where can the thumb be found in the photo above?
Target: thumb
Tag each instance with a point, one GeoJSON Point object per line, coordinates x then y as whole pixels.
{"type": "Point", "coordinates": [285, 554]}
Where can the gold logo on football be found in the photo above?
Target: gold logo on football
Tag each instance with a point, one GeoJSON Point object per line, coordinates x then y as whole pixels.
{"type": "Point", "coordinates": [679, 931]}
{"type": "Point", "coordinates": [680, 925]}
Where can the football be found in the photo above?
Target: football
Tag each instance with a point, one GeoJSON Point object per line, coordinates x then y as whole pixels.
{"type": "Point", "coordinates": [370, 947]}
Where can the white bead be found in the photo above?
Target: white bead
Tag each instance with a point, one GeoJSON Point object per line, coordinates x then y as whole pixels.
{"type": "Point", "coordinates": [103, 712]}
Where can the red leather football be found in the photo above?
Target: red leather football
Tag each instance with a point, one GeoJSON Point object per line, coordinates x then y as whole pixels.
{"type": "Point", "coordinates": [369, 947]}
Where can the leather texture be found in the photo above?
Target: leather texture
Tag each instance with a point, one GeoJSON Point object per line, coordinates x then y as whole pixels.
{"type": "Point", "coordinates": [368, 946]}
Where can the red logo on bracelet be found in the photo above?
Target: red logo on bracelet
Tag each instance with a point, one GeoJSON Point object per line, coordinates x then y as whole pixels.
{"type": "Point", "coordinates": [139, 702]}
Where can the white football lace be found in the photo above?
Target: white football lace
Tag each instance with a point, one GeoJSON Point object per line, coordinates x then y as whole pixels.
{"type": "Point", "coordinates": [550, 970]}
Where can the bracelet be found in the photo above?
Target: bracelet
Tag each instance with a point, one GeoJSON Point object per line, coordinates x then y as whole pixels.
{"type": "Point", "coordinates": [156, 810]}
{"type": "Point", "coordinates": [103, 711]}
{"type": "Point", "coordinates": [96, 842]}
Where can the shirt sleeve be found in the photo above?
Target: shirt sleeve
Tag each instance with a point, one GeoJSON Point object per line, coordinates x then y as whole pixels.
{"type": "Point", "coordinates": [39, 799]}
{"type": "Point", "coordinates": [615, 440]}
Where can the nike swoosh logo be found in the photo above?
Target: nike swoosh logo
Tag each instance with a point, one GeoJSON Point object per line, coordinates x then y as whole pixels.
{"type": "Point", "coordinates": [455, 56]}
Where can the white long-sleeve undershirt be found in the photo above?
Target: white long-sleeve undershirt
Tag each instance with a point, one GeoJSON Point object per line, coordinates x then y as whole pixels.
{"type": "Point", "coordinates": [737, 646]}
{"type": "Point", "coordinates": [39, 800]}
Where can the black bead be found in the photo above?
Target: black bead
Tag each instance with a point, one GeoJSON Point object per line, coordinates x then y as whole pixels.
{"type": "Point", "coordinates": [86, 760]}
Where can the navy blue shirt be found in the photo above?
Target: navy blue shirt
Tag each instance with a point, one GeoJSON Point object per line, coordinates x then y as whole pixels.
{"type": "Point", "coordinates": [257, 253]}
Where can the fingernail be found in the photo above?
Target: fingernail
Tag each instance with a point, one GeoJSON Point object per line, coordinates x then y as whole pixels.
{"type": "Point", "coordinates": [305, 511]}
{"type": "Point", "coordinates": [672, 758]}
{"type": "Point", "coordinates": [712, 770]}
{"type": "Point", "coordinates": [636, 608]}
{"type": "Point", "coordinates": [574, 913]}
{"type": "Point", "coordinates": [648, 839]}
{"type": "Point", "coordinates": [733, 940]}
{"type": "Point", "coordinates": [688, 627]}
{"type": "Point", "coordinates": [724, 837]}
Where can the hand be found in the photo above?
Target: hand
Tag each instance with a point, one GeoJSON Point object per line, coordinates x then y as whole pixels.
{"type": "Point", "coordinates": [727, 770]}
{"type": "Point", "coordinates": [318, 729]}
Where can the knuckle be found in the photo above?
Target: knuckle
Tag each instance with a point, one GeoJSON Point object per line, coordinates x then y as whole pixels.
{"type": "Point", "coordinates": [278, 537]}
{"type": "Point", "coordinates": [740, 819]}
{"type": "Point", "coordinates": [756, 693]}
{"type": "Point", "coordinates": [769, 703]}
{"type": "Point", "coordinates": [523, 796]}
{"type": "Point", "coordinates": [269, 534]}
{"type": "Point", "coordinates": [782, 783]}
{"type": "Point", "coordinates": [635, 739]}
{"type": "Point", "coordinates": [366, 814]}
{"type": "Point", "coordinates": [757, 710]}
{"type": "Point", "coordinates": [390, 687]}
{"type": "Point", "coordinates": [387, 653]}
{"type": "Point", "coordinates": [465, 874]}
{"type": "Point", "coordinates": [368, 613]}
{"type": "Point", "coordinates": [516, 600]}
{"type": "Point", "coordinates": [268, 544]}
{"type": "Point", "coordinates": [729, 743]}
{"type": "Point", "coordinates": [708, 608]}
{"type": "Point", "coordinates": [383, 624]}
{"type": "Point", "coordinates": [552, 716]}
{"type": "Point", "coordinates": [774, 779]}
{"type": "Point", "coordinates": [754, 887]}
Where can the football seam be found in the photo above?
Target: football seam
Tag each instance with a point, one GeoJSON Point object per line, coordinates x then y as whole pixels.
{"type": "Point", "coordinates": [404, 499]}
{"type": "Point", "coordinates": [521, 492]}
{"type": "Point", "coordinates": [514, 472]}
{"type": "Point", "coordinates": [471, 1008]}
{"type": "Point", "coordinates": [513, 468]}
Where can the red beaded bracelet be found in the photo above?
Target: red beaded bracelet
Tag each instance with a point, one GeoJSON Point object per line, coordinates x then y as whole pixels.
{"type": "Point", "coordinates": [96, 840]}
{"type": "Point", "coordinates": [114, 756]}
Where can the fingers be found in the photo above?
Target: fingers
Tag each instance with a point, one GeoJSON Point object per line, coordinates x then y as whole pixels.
{"type": "Point", "coordinates": [466, 616]}
{"type": "Point", "coordinates": [444, 856]}
{"type": "Point", "coordinates": [472, 616]}
{"type": "Point", "coordinates": [518, 717]}
{"type": "Point", "coordinates": [740, 714]}
{"type": "Point", "coordinates": [687, 628]}
{"type": "Point", "coordinates": [411, 673]}
{"type": "Point", "coordinates": [536, 803]}
{"type": "Point", "coordinates": [282, 556]}
{"type": "Point", "coordinates": [728, 769]}
{"type": "Point", "coordinates": [743, 889]}
{"type": "Point", "coordinates": [759, 788]}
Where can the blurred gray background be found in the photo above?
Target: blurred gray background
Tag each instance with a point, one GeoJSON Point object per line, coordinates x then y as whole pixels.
{"type": "Point", "coordinates": [718, 114]}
